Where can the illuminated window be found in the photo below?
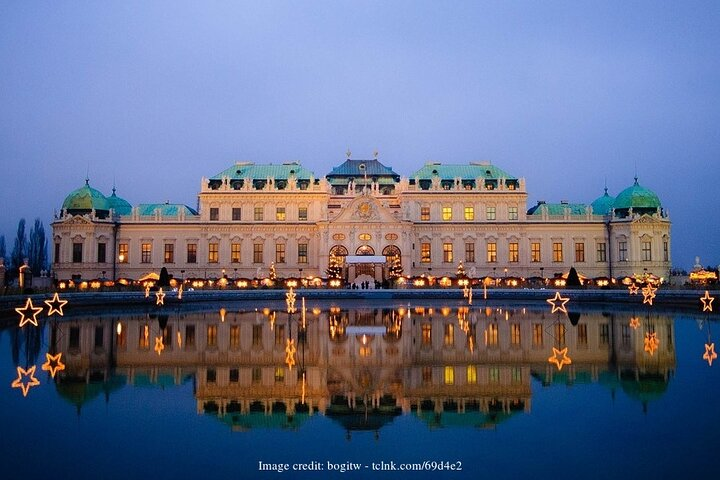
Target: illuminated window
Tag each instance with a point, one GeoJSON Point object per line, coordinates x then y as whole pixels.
{"type": "Point", "coordinates": [365, 237]}
{"type": "Point", "coordinates": [279, 253]}
{"type": "Point", "coordinates": [469, 214]}
{"type": "Point", "coordinates": [557, 252]}
{"type": "Point", "coordinates": [449, 334]}
{"type": "Point", "coordinates": [214, 213]}
{"type": "Point", "coordinates": [235, 252]}
{"type": "Point", "coordinates": [515, 334]}
{"type": "Point", "coordinates": [492, 334]}
{"type": "Point", "coordinates": [424, 214]}
{"type": "Point", "coordinates": [449, 375]}
{"type": "Point", "coordinates": [600, 252]}
{"type": "Point", "coordinates": [192, 253]}
{"type": "Point", "coordinates": [143, 337]}
{"type": "Point", "coordinates": [77, 252]}
{"type": "Point", "coordinates": [258, 214]}
{"type": "Point", "coordinates": [622, 251]}
{"type": "Point", "coordinates": [492, 252]}
{"type": "Point", "coordinates": [280, 214]}
{"type": "Point", "coordinates": [279, 374]}
{"type": "Point", "coordinates": [302, 253]}
{"type": "Point", "coordinates": [257, 335]}
{"type": "Point", "coordinates": [512, 213]}
{"type": "Point", "coordinates": [513, 252]}
{"type": "Point", "coordinates": [537, 334]}
{"type": "Point", "coordinates": [213, 252]}
{"type": "Point", "coordinates": [302, 214]}
{"type": "Point", "coordinates": [426, 334]}
{"type": "Point", "coordinates": [471, 374]}
{"type": "Point", "coordinates": [425, 253]}
{"type": "Point", "coordinates": [560, 333]}
{"type": "Point", "coordinates": [146, 253]}
{"type": "Point", "coordinates": [579, 251]}
{"type": "Point", "coordinates": [494, 374]}
{"type": "Point", "coordinates": [169, 254]}
{"type": "Point", "coordinates": [447, 213]}
{"type": "Point", "coordinates": [447, 252]}
{"type": "Point", "coordinates": [490, 213]}
{"type": "Point", "coordinates": [516, 374]}
{"type": "Point", "coordinates": [101, 252]}
{"type": "Point", "coordinates": [235, 336]}
{"type": "Point", "coordinates": [257, 253]}
{"type": "Point", "coordinates": [647, 251]}
{"type": "Point", "coordinates": [582, 337]}
{"type": "Point", "coordinates": [236, 214]}
{"type": "Point", "coordinates": [212, 335]}
{"type": "Point", "coordinates": [535, 252]}
{"type": "Point", "coordinates": [469, 253]}
{"type": "Point", "coordinates": [604, 334]}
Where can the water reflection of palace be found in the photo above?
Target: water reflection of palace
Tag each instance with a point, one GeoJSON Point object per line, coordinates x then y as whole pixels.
{"type": "Point", "coordinates": [363, 367]}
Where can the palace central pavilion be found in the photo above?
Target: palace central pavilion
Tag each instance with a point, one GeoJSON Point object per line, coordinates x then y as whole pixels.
{"type": "Point", "coordinates": [365, 214]}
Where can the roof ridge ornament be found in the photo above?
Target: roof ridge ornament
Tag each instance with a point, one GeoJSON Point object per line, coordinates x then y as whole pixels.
{"type": "Point", "coordinates": [348, 154]}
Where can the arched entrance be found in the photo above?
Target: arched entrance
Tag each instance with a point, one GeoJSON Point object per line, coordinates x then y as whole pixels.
{"type": "Point", "coordinates": [365, 268]}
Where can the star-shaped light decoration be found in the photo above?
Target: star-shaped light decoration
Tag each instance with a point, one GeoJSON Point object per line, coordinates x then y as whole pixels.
{"type": "Point", "coordinates": [648, 294]}
{"type": "Point", "coordinates": [290, 301]}
{"type": "Point", "coordinates": [558, 303]}
{"type": "Point", "coordinates": [159, 345]}
{"type": "Point", "coordinates": [651, 342]}
{"type": "Point", "coordinates": [160, 297]}
{"type": "Point", "coordinates": [290, 352]}
{"type": "Point", "coordinates": [709, 354]}
{"type": "Point", "coordinates": [633, 288]}
{"type": "Point", "coordinates": [56, 305]}
{"type": "Point", "coordinates": [707, 302]}
{"type": "Point", "coordinates": [28, 313]}
{"type": "Point", "coordinates": [32, 381]}
{"type": "Point", "coordinates": [53, 364]}
{"type": "Point", "coordinates": [147, 291]}
{"type": "Point", "coordinates": [560, 358]}
{"type": "Point", "coordinates": [634, 322]}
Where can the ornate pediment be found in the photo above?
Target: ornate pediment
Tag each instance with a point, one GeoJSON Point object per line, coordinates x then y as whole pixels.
{"type": "Point", "coordinates": [77, 220]}
{"type": "Point", "coordinates": [644, 219]}
{"type": "Point", "coordinates": [365, 209]}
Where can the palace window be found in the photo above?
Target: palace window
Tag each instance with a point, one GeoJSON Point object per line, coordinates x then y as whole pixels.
{"type": "Point", "coordinates": [490, 213]}
{"type": "Point", "coordinates": [279, 375]}
{"type": "Point", "coordinates": [492, 334]}
{"type": "Point", "coordinates": [557, 252]}
{"type": "Point", "coordinates": [235, 252]}
{"type": "Point", "coordinates": [560, 333]}
{"type": "Point", "coordinates": [189, 336]}
{"type": "Point", "coordinates": [234, 375]}
{"type": "Point", "coordinates": [600, 253]}
{"type": "Point", "coordinates": [169, 253]}
{"type": "Point", "coordinates": [494, 374]}
{"type": "Point", "coordinates": [257, 253]}
{"type": "Point", "coordinates": [77, 252]}
{"type": "Point", "coordinates": [426, 375]}
{"type": "Point", "coordinates": [279, 253]}
{"type": "Point", "coordinates": [302, 253]}
{"type": "Point", "coordinates": [279, 335]}
{"type": "Point", "coordinates": [236, 214]}
{"type": "Point", "coordinates": [579, 251]}
{"type": "Point", "coordinates": [426, 330]}
{"type": "Point", "coordinates": [425, 214]}
{"type": "Point", "coordinates": [56, 257]}
{"type": "Point", "coordinates": [515, 334]}
{"type": "Point", "coordinates": [425, 253]}
{"type": "Point", "coordinates": [647, 251]}
{"type": "Point", "coordinates": [582, 338]}
{"type": "Point", "coordinates": [256, 375]}
{"type": "Point", "coordinates": [537, 335]}
{"type": "Point", "coordinates": [604, 334]}
{"type": "Point", "coordinates": [280, 214]}
{"type": "Point", "coordinates": [212, 335]}
{"type": "Point", "coordinates": [471, 374]}
{"type": "Point", "coordinates": [449, 334]}
{"type": "Point", "coordinates": [302, 214]}
{"type": "Point", "coordinates": [469, 253]}
{"type": "Point", "coordinates": [214, 213]}
{"type": "Point", "coordinates": [469, 214]}
{"type": "Point", "coordinates": [146, 253]}
{"type": "Point", "coordinates": [123, 253]}
{"type": "Point", "coordinates": [491, 252]}
{"type": "Point", "coordinates": [257, 335]}
{"type": "Point", "coordinates": [449, 375]}
{"type": "Point", "coordinates": [622, 252]}
{"type": "Point", "coordinates": [101, 252]}
{"type": "Point", "coordinates": [192, 253]}
{"type": "Point", "coordinates": [258, 214]}
{"type": "Point", "coordinates": [513, 252]}
{"type": "Point", "coordinates": [666, 251]}
{"type": "Point", "coordinates": [447, 252]}
{"type": "Point", "coordinates": [213, 252]}
{"type": "Point", "coordinates": [535, 252]}
{"type": "Point", "coordinates": [512, 213]}
{"type": "Point", "coordinates": [447, 213]}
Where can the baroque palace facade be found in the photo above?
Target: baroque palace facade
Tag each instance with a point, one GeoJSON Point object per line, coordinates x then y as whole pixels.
{"type": "Point", "coordinates": [365, 214]}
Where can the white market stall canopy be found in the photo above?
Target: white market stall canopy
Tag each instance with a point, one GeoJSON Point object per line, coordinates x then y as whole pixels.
{"type": "Point", "coordinates": [365, 259]}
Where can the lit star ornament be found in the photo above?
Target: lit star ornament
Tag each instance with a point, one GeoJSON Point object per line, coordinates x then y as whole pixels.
{"type": "Point", "coordinates": [32, 381]}
{"type": "Point", "coordinates": [160, 297]}
{"type": "Point", "coordinates": [651, 343]}
{"type": "Point", "coordinates": [159, 345]}
{"type": "Point", "coordinates": [648, 294]}
{"type": "Point", "coordinates": [707, 302]}
{"type": "Point", "coordinates": [55, 305]}
{"type": "Point", "coordinates": [53, 364]}
{"type": "Point", "coordinates": [633, 288]}
{"type": "Point", "coordinates": [709, 354]}
{"type": "Point", "coordinates": [558, 303]}
{"type": "Point", "coordinates": [290, 353]}
{"type": "Point", "coordinates": [28, 313]}
{"type": "Point", "coordinates": [635, 322]}
{"type": "Point", "coordinates": [560, 358]}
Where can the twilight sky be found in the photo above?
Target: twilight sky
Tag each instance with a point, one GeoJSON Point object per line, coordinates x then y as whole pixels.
{"type": "Point", "coordinates": [156, 95]}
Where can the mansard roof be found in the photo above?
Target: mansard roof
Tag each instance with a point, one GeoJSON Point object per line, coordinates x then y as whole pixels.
{"type": "Point", "coordinates": [166, 209]}
{"type": "Point", "coordinates": [360, 168]}
{"type": "Point", "coordinates": [283, 171]}
{"type": "Point", "coordinates": [559, 208]}
{"type": "Point", "coordinates": [470, 171]}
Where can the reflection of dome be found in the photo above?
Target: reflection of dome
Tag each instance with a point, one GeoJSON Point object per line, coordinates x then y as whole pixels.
{"type": "Point", "coordinates": [603, 205]}
{"type": "Point", "coordinates": [77, 391]}
{"type": "Point", "coordinates": [119, 204]}
{"type": "Point", "coordinates": [640, 199]}
{"type": "Point", "coordinates": [85, 199]}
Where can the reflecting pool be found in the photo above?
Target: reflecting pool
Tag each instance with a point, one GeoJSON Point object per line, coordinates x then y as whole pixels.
{"type": "Point", "coordinates": [358, 389]}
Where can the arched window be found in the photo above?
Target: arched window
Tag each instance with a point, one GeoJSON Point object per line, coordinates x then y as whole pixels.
{"type": "Point", "coordinates": [365, 250]}
{"type": "Point", "coordinates": [391, 252]}
{"type": "Point", "coordinates": [338, 251]}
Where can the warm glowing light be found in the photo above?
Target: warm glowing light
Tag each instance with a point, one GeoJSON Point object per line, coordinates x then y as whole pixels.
{"type": "Point", "coordinates": [31, 380]}
{"type": "Point", "coordinates": [304, 312]}
{"type": "Point", "coordinates": [651, 342]}
{"type": "Point", "coordinates": [560, 358]}
{"type": "Point", "coordinates": [56, 305]}
{"type": "Point", "coordinates": [53, 364]}
{"type": "Point", "coordinates": [707, 302]}
{"type": "Point", "coordinates": [223, 312]}
{"type": "Point", "coordinates": [316, 311]}
{"type": "Point", "coordinates": [290, 352]}
{"type": "Point", "coordinates": [179, 340]}
{"type": "Point", "coordinates": [147, 291]}
{"type": "Point", "coordinates": [28, 313]}
{"type": "Point", "coordinates": [302, 398]}
{"type": "Point", "coordinates": [709, 354]}
{"type": "Point", "coordinates": [160, 297]}
{"type": "Point", "coordinates": [634, 322]}
{"type": "Point", "coordinates": [159, 345]}
{"type": "Point", "coordinates": [633, 288]}
{"type": "Point", "coordinates": [648, 294]}
{"type": "Point", "coordinates": [119, 328]}
{"type": "Point", "coordinates": [180, 292]}
{"type": "Point", "coordinates": [558, 303]}
{"type": "Point", "coordinates": [290, 301]}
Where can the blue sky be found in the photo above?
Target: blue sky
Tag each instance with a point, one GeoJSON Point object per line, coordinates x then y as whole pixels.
{"type": "Point", "coordinates": [155, 95]}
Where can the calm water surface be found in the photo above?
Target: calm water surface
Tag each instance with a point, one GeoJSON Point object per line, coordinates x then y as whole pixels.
{"type": "Point", "coordinates": [488, 390]}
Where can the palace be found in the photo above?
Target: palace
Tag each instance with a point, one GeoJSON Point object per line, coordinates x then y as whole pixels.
{"type": "Point", "coordinates": [250, 216]}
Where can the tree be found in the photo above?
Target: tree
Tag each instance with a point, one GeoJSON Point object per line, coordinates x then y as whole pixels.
{"type": "Point", "coordinates": [20, 248]}
{"type": "Point", "coordinates": [396, 268]}
{"type": "Point", "coordinates": [164, 280]}
{"type": "Point", "coordinates": [273, 273]}
{"type": "Point", "coordinates": [37, 248]}
{"type": "Point", "coordinates": [573, 279]}
{"type": "Point", "coordinates": [461, 270]}
{"type": "Point", "coordinates": [3, 252]}
{"type": "Point", "coordinates": [334, 269]}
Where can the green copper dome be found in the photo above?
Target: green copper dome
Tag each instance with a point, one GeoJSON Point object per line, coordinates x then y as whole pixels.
{"type": "Point", "coordinates": [603, 205]}
{"type": "Point", "coordinates": [85, 199]}
{"type": "Point", "coordinates": [119, 204]}
{"type": "Point", "coordinates": [636, 197]}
